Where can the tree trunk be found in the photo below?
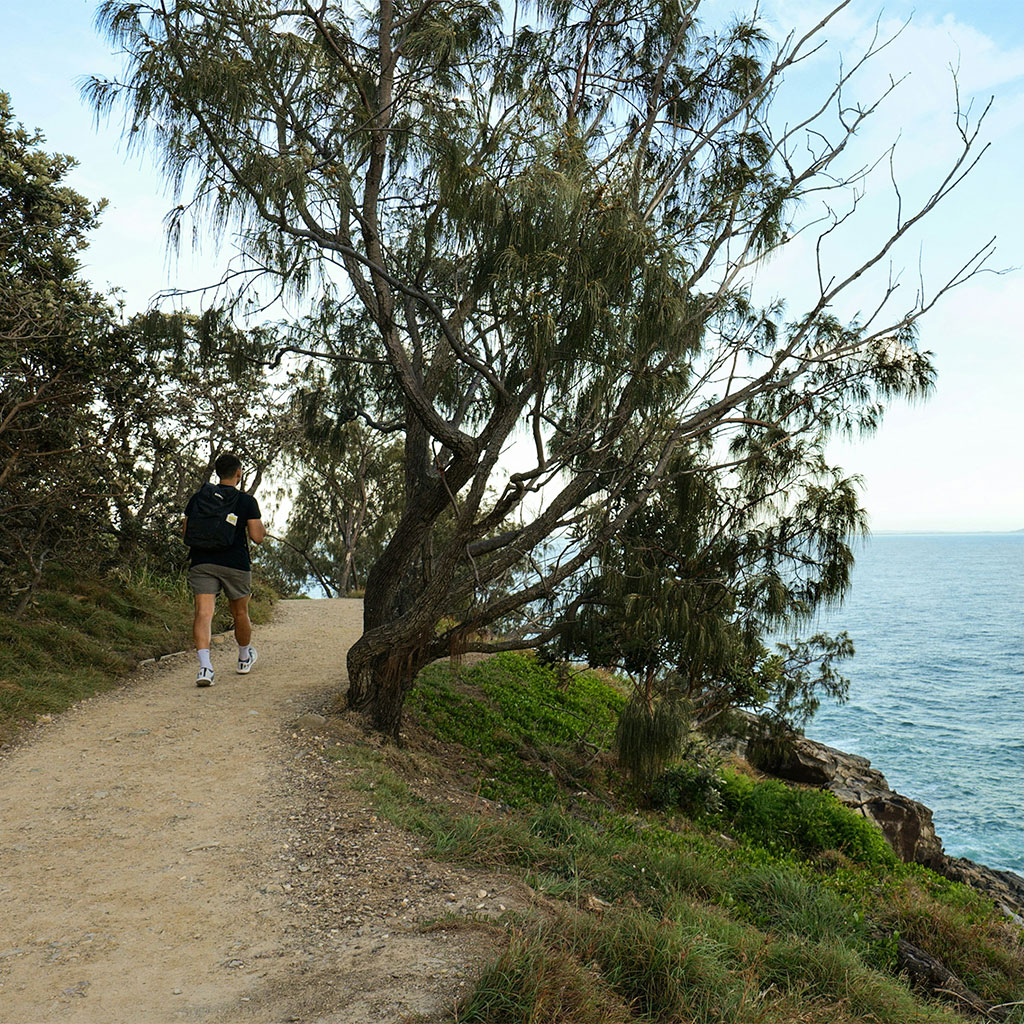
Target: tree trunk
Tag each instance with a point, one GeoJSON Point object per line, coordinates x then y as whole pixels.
{"type": "Point", "coordinates": [380, 677]}
{"type": "Point", "coordinates": [31, 588]}
{"type": "Point", "coordinates": [389, 702]}
{"type": "Point", "coordinates": [384, 661]}
{"type": "Point", "coordinates": [343, 585]}
{"type": "Point", "coordinates": [398, 618]}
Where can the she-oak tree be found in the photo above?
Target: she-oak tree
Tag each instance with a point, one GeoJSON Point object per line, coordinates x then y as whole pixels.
{"type": "Point", "coordinates": [535, 230]}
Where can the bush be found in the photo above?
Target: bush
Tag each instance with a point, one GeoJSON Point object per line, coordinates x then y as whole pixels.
{"type": "Point", "coordinates": [802, 821]}
{"type": "Point", "coordinates": [694, 786]}
{"type": "Point", "coordinates": [525, 718]}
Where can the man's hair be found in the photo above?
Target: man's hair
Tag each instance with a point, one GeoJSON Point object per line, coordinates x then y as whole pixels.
{"type": "Point", "coordinates": [227, 465]}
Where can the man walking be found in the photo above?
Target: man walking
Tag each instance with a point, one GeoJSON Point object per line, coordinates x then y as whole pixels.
{"type": "Point", "coordinates": [220, 521]}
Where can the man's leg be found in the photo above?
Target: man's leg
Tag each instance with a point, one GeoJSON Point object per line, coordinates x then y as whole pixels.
{"type": "Point", "coordinates": [201, 626]}
{"type": "Point", "coordinates": [243, 633]}
{"type": "Point", "coordinates": [203, 621]}
{"type": "Point", "coordinates": [240, 613]}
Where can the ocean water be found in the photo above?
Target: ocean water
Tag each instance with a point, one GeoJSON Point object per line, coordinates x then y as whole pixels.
{"type": "Point", "coordinates": [937, 683]}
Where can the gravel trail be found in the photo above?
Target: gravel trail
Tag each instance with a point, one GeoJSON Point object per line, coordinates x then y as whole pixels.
{"type": "Point", "coordinates": [144, 852]}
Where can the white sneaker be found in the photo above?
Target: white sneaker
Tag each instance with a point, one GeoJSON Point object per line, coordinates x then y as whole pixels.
{"type": "Point", "coordinates": [245, 667]}
{"type": "Point", "coordinates": [204, 677]}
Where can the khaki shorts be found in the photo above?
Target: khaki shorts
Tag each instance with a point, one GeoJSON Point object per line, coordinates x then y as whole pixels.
{"type": "Point", "coordinates": [207, 578]}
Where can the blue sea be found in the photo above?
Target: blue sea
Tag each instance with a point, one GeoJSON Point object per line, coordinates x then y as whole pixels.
{"type": "Point", "coordinates": [937, 683]}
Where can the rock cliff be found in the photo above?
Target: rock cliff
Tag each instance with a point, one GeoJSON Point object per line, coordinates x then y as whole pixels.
{"type": "Point", "coordinates": [905, 823]}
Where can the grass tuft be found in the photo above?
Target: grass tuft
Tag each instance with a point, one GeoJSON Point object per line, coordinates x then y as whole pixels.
{"type": "Point", "coordinates": [534, 981]}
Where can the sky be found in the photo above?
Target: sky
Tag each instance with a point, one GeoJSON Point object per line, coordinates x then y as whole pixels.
{"type": "Point", "coordinates": [953, 463]}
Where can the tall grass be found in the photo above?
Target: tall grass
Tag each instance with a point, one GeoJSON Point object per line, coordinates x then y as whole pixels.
{"type": "Point", "coordinates": [778, 909]}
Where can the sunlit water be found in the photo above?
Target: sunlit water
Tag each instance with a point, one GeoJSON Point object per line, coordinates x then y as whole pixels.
{"type": "Point", "coordinates": [937, 683]}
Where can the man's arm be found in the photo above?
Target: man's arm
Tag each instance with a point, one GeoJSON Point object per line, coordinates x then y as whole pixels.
{"type": "Point", "coordinates": [257, 531]}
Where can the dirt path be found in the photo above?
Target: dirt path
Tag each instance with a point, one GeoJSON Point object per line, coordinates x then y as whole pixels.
{"type": "Point", "coordinates": [169, 853]}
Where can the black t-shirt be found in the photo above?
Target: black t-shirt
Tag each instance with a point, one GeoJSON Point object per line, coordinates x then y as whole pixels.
{"type": "Point", "coordinates": [236, 556]}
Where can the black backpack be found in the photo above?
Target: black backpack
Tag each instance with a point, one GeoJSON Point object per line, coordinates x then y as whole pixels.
{"type": "Point", "coordinates": [212, 521]}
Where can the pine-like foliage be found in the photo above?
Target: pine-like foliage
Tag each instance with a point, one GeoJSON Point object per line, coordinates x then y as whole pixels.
{"type": "Point", "coordinates": [684, 598]}
{"type": "Point", "coordinates": [532, 229]}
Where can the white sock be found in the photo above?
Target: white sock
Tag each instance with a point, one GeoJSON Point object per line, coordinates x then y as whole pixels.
{"type": "Point", "coordinates": [204, 658]}
{"type": "Point", "coordinates": [244, 653]}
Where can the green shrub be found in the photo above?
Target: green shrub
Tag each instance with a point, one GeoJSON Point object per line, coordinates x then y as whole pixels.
{"type": "Point", "coordinates": [802, 821]}
{"type": "Point", "coordinates": [522, 717]}
{"type": "Point", "coordinates": [537, 701]}
{"type": "Point", "coordinates": [694, 786]}
{"type": "Point", "coordinates": [648, 737]}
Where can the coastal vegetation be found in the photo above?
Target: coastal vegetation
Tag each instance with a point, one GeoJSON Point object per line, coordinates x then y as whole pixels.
{"type": "Point", "coordinates": [532, 401]}
{"type": "Point", "coordinates": [767, 904]}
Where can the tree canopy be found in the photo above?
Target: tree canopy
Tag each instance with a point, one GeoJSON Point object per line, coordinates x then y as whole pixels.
{"type": "Point", "coordinates": [107, 425]}
{"type": "Point", "coordinates": [55, 335]}
{"type": "Point", "coordinates": [686, 600]}
{"type": "Point", "coordinates": [527, 236]}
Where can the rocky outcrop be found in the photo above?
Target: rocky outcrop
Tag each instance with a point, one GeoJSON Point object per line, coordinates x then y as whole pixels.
{"type": "Point", "coordinates": [1005, 888]}
{"type": "Point", "coordinates": [905, 823]}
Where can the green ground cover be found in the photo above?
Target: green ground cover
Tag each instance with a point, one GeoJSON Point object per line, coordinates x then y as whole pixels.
{"type": "Point", "coordinates": [771, 905]}
{"type": "Point", "coordinates": [80, 636]}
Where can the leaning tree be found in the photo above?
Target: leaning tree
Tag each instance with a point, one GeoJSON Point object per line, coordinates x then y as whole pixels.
{"type": "Point", "coordinates": [535, 229]}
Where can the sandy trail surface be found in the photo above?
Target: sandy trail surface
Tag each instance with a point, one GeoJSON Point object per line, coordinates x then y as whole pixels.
{"type": "Point", "coordinates": [150, 839]}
